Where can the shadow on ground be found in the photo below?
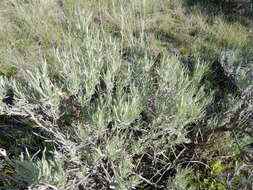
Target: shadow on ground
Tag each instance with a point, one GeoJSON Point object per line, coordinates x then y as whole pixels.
{"type": "Point", "coordinates": [233, 10]}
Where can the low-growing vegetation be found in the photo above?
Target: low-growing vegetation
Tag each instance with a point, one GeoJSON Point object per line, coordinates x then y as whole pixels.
{"type": "Point", "coordinates": [126, 94]}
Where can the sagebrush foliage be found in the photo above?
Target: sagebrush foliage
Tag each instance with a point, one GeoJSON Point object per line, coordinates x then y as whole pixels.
{"type": "Point", "coordinates": [110, 112]}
